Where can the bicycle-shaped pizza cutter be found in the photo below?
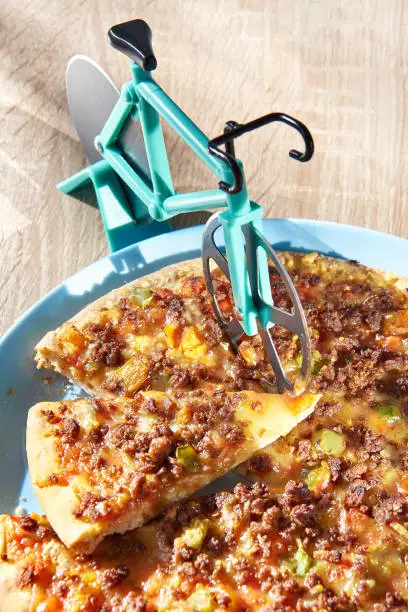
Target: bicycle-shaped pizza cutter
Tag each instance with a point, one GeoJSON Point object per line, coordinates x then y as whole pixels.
{"type": "Point", "coordinates": [123, 140]}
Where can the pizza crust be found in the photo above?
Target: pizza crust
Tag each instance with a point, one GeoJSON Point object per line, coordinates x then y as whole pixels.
{"type": "Point", "coordinates": [58, 501]}
{"type": "Point", "coordinates": [12, 598]}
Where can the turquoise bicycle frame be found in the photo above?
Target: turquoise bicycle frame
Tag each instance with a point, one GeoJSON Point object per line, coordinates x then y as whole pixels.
{"type": "Point", "coordinates": [154, 197]}
{"type": "Point", "coordinates": [143, 99]}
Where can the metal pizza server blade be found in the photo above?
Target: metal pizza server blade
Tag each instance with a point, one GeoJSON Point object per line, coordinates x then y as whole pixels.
{"type": "Point", "coordinates": [91, 97]}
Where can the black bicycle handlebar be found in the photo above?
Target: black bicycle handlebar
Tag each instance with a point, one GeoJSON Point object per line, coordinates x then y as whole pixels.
{"type": "Point", "coordinates": [234, 130]}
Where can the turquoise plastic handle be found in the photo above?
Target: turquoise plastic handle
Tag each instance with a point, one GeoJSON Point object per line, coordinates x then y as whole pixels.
{"type": "Point", "coordinates": [122, 229]}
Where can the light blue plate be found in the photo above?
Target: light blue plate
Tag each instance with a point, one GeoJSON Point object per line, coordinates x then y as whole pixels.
{"type": "Point", "coordinates": [21, 385]}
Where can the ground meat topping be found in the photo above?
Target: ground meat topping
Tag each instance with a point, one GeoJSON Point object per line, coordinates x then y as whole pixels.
{"type": "Point", "coordinates": [296, 492]}
{"type": "Point", "coordinates": [25, 576]}
{"type": "Point", "coordinates": [333, 556]}
{"type": "Point", "coordinates": [374, 320]}
{"type": "Point", "coordinates": [90, 505]}
{"type": "Point", "coordinates": [356, 471]}
{"type": "Point", "coordinates": [335, 466]}
{"type": "Point", "coordinates": [160, 448]}
{"type": "Point", "coordinates": [304, 452]}
{"type": "Point", "coordinates": [304, 514]}
{"type": "Point", "coordinates": [132, 316]}
{"type": "Point", "coordinates": [175, 310]}
{"type": "Point", "coordinates": [220, 407]}
{"type": "Point", "coordinates": [331, 321]}
{"type": "Point", "coordinates": [325, 408]}
{"type": "Point", "coordinates": [108, 345]}
{"type": "Point", "coordinates": [356, 493]}
{"type": "Point", "coordinates": [216, 545]}
{"type": "Point", "coordinates": [389, 508]}
{"type": "Point", "coordinates": [122, 433]}
{"type": "Point", "coordinates": [212, 332]}
{"type": "Point", "coordinates": [234, 434]}
{"type": "Point", "coordinates": [28, 523]}
{"type": "Point", "coordinates": [108, 353]}
{"type": "Point", "coordinates": [98, 433]}
{"type": "Point", "coordinates": [113, 577]}
{"type": "Point", "coordinates": [70, 431]}
{"type": "Point", "coordinates": [260, 463]}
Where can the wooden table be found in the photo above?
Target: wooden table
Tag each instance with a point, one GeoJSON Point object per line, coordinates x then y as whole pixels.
{"type": "Point", "coordinates": [341, 67]}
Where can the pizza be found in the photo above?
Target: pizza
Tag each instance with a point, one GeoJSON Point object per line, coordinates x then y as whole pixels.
{"type": "Point", "coordinates": [239, 550]}
{"type": "Point", "coordinates": [339, 479]}
{"type": "Point", "coordinates": [107, 466]}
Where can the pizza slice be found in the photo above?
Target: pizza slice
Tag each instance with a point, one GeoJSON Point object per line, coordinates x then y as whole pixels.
{"type": "Point", "coordinates": [154, 333]}
{"type": "Point", "coordinates": [106, 466]}
{"type": "Point", "coordinates": [245, 549]}
{"type": "Point", "coordinates": [160, 332]}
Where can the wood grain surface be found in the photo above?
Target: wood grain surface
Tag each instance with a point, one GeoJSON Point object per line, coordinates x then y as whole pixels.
{"type": "Point", "coordinates": [341, 67]}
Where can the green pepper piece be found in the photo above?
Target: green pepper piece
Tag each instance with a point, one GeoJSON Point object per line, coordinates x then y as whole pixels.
{"type": "Point", "coordinates": [92, 366]}
{"type": "Point", "coordinates": [141, 296]}
{"type": "Point", "coordinates": [187, 456]}
{"type": "Point", "coordinates": [317, 361]}
{"type": "Point", "coordinates": [331, 442]}
{"type": "Point", "coordinates": [195, 533]}
{"type": "Point", "coordinates": [389, 412]}
{"type": "Point", "coordinates": [303, 560]}
{"type": "Point", "coordinates": [318, 477]}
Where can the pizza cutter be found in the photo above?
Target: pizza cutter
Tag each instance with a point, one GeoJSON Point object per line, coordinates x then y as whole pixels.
{"type": "Point", "coordinates": [128, 167]}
